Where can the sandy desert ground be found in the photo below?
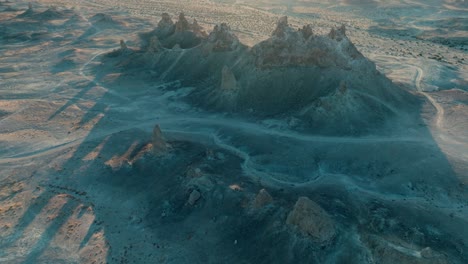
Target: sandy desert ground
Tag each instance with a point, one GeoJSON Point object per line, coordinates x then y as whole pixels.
{"type": "Point", "coordinates": [85, 177]}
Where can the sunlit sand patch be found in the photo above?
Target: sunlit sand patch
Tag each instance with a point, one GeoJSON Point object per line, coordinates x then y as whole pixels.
{"type": "Point", "coordinates": [33, 232]}
{"type": "Point", "coordinates": [88, 126]}
{"type": "Point", "coordinates": [11, 106]}
{"type": "Point", "coordinates": [111, 77]}
{"type": "Point", "coordinates": [24, 134]}
{"type": "Point", "coordinates": [15, 202]}
{"type": "Point", "coordinates": [96, 151]}
{"type": "Point", "coordinates": [71, 237]}
{"type": "Point", "coordinates": [96, 250]}
{"type": "Point", "coordinates": [118, 161]}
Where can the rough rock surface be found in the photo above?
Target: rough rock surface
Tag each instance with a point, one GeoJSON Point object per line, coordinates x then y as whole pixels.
{"type": "Point", "coordinates": [182, 24]}
{"type": "Point", "coordinates": [228, 80]}
{"type": "Point", "coordinates": [154, 45]}
{"type": "Point", "coordinates": [282, 29]}
{"type": "Point", "coordinates": [223, 39]}
{"type": "Point", "coordinates": [262, 199]}
{"type": "Point", "coordinates": [387, 252]}
{"type": "Point", "coordinates": [289, 47]}
{"type": "Point", "coordinates": [194, 197]}
{"type": "Point", "coordinates": [310, 219]}
{"type": "Point", "coordinates": [181, 33]}
{"type": "Point", "coordinates": [123, 45]}
{"type": "Point", "coordinates": [197, 29]}
{"type": "Point", "coordinates": [306, 31]}
{"type": "Point", "coordinates": [166, 26]}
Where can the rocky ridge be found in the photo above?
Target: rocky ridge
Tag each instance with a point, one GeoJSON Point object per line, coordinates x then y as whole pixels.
{"type": "Point", "coordinates": [321, 80]}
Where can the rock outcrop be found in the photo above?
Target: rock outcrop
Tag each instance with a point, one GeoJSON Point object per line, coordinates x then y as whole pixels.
{"type": "Point", "coordinates": [222, 38]}
{"type": "Point", "coordinates": [289, 47]}
{"type": "Point", "coordinates": [123, 45]}
{"type": "Point", "coordinates": [181, 33]}
{"type": "Point", "coordinates": [387, 252]}
{"type": "Point", "coordinates": [166, 26]}
{"type": "Point", "coordinates": [228, 80]}
{"type": "Point", "coordinates": [194, 197]}
{"type": "Point", "coordinates": [197, 29]}
{"type": "Point", "coordinates": [262, 199]}
{"type": "Point", "coordinates": [182, 24]}
{"type": "Point", "coordinates": [306, 32]}
{"type": "Point", "coordinates": [282, 29]}
{"type": "Point", "coordinates": [310, 219]}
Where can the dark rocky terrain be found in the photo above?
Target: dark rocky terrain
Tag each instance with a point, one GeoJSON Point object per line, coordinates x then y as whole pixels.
{"type": "Point", "coordinates": [127, 138]}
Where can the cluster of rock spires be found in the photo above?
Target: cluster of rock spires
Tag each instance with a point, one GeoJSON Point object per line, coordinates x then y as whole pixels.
{"type": "Point", "coordinates": [180, 34]}
{"type": "Point", "coordinates": [222, 38]}
{"type": "Point", "coordinates": [289, 47]}
{"type": "Point", "coordinates": [322, 80]}
{"type": "Point", "coordinates": [286, 47]}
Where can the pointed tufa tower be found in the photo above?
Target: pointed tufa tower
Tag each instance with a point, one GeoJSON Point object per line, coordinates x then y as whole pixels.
{"type": "Point", "coordinates": [306, 31]}
{"type": "Point", "coordinates": [28, 12]}
{"type": "Point", "coordinates": [282, 28]}
{"type": "Point", "coordinates": [166, 26]}
{"type": "Point", "coordinates": [123, 46]}
{"type": "Point", "coordinates": [338, 33]}
{"type": "Point", "coordinates": [160, 147]}
{"type": "Point", "coordinates": [124, 50]}
{"type": "Point", "coordinates": [182, 24]}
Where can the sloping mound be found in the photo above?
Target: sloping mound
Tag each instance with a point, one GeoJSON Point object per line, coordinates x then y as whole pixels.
{"type": "Point", "coordinates": [321, 80]}
{"type": "Point", "coordinates": [28, 13]}
{"type": "Point", "coordinates": [105, 21]}
{"type": "Point", "coordinates": [53, 14]}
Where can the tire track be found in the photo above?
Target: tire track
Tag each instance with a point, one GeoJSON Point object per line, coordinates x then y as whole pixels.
{"type": "Point", "coordinates": [440, 110]}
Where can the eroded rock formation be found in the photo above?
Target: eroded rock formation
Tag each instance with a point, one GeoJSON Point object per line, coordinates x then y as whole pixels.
{"type": "Point", "coordinates": [182, 24]}
{"type": "Point", "coordinates": [166, 26]}
{"type": "Point", "coordinates": [321, 80]}
{"type": "Point", "coordinates": [228, 80]}
{"type": "Point", "coordinates": [310, 219]}
{"type": "Point", "coordinates": [262, 199]}
{"type": "Point", "coordinates": [289, 47]}
{"type": "Point", "coordinates": [222, 38]}
{"type": "Point", "coordinates": [181, 33]}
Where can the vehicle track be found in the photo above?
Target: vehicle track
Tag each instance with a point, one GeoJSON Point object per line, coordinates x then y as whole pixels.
{"type": "Point", "coordinates": [440, 110]}
{"type": "Point", "coordinates": [207, 126]}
